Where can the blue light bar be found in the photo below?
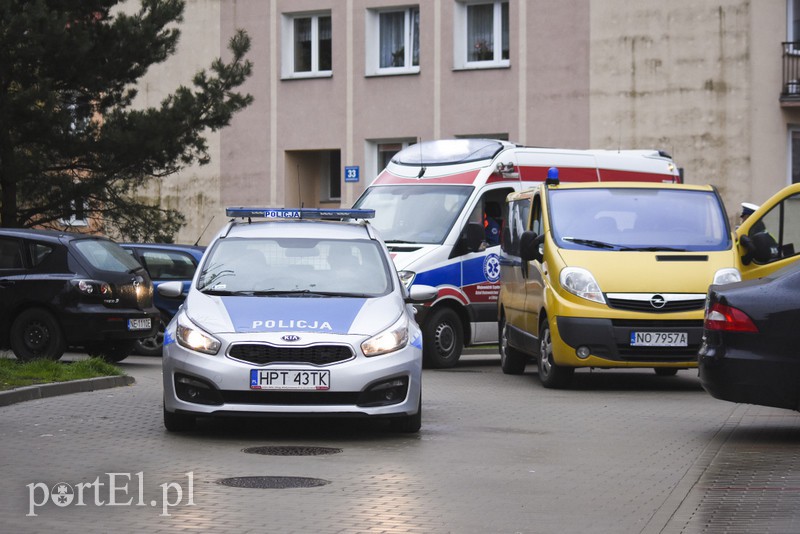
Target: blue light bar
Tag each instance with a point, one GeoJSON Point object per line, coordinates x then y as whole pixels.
{"type": "Point", "coordinates": [299, 213]}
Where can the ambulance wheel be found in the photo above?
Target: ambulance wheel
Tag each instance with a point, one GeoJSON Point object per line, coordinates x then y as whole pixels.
{"type": "Point", "coordinates": [512, 361]}
{"type": "Point", "coordinates": [551, 375]}
{"type": "Point", "coordinates": [443, 339]}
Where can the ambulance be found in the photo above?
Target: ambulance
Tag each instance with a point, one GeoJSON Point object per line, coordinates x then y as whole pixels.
{"type": "Point", "coordinates": [440, 207]}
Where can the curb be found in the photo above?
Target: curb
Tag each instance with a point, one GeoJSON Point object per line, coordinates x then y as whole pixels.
{"type": "Point", "coordinates": [43, 391]}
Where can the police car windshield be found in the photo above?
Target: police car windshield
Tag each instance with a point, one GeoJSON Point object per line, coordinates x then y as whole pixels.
{"type": "Point", "coordinates": [295, 267]}
{"type": "Point", "coordinates": [638, 219]}
{"type": "Point", "coordinates": [422, 214]}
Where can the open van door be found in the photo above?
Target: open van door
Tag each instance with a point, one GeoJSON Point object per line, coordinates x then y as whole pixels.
{"type": "Point", "coordinates": [770, 238]}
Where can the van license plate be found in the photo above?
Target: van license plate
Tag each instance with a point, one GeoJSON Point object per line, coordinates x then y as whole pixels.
{"type": "Point", "coordinates": [316, 380]}
{"type": "Point", "coordinates": [659, 339]}
{"type": "Point", "coordinates": [139, 324]}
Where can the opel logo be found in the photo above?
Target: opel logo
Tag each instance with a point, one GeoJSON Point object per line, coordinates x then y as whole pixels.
{"type": "Point", "coordinates": [658, 301]}
{"type": "Point", "coordinates": [291, 337]}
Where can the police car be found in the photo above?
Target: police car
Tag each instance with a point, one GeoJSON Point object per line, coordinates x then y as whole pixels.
{"type": "Point", "coordinates": [291, 312]}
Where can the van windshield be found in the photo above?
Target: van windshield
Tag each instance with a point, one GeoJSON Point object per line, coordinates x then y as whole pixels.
{"type": "Point", "coordinates": [422, 214]}
{"type": "Point", "coordinates": [638, 219]}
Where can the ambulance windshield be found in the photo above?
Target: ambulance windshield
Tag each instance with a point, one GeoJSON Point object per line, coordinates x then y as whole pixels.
{"type": "Point", "coordinates": [420, 214]}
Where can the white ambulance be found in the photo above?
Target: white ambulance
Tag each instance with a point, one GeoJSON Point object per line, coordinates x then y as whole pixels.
{"type": "Point", "coordinates": [439, 207]}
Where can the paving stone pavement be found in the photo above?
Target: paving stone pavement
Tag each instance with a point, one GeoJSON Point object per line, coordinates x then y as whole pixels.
{"type": "Point", "coordinates": [620, 452]}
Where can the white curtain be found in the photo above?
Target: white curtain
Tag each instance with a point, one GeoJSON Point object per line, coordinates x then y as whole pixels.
{"type": "Point", "coordinates": [392, 37]}
{"type": "Point", "coordinates": [480, 32]}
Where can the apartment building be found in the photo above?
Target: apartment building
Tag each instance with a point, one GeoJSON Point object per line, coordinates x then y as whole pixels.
{"type": "Point", "coordinates": [341, 85]}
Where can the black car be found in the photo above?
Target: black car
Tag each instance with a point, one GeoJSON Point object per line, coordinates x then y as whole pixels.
{"type": "Point", "coordinates": [750, 350]}
{"type": "Point", "coordinates": [61, 290]}
{"type": "Point", "coordinates": [165, 262]}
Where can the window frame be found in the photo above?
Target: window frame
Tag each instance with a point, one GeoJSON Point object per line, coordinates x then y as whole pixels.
{"type": "Point", "coordinates": [373, 41]}
{"type": "Point", "coordinates": [461, 59]}
{"type": "Point", "coordinates": [288, 71]}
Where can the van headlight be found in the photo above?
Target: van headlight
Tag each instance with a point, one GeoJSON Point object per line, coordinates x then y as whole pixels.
{"type": "Point", "coordinates": [191, 337]}
{"type": "Point", "coordinates": [393, 338]}
{"type": "Point", "coordinates": [727, 276]}
{"type": "Point", "coordinates": [580, 282]}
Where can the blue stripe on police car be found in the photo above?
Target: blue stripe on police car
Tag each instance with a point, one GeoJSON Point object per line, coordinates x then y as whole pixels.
{"type": "Point", "coordinates": [301, 314]}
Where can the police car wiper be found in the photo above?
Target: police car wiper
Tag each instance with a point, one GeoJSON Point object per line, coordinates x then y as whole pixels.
{"type": "Point", "coordinates": [590, 242]}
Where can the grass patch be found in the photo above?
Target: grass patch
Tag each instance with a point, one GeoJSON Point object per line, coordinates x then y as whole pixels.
{"type": "Point", "coordinates": [14, 373]}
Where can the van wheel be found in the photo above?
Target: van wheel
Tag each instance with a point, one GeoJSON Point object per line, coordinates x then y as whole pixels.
{"type": "Point", "coordinates": [35, 334]}
{"type": "Point", "coordinates": [551, 375]}
{"type": "Point", "coordinates": [512, 361]}
{"type": "Point", "coordinates": [443, 339]}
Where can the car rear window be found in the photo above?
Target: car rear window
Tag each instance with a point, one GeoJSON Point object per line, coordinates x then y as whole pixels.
{"type": "Point", "coordinates": [106, 255]}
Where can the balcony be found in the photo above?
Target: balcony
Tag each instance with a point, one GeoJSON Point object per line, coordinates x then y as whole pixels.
{"type": "Point", "coordinates": [790, 92]}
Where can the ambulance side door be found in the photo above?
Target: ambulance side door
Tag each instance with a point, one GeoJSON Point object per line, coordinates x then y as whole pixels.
{"type": "Point", "coordinates": [770, 238]}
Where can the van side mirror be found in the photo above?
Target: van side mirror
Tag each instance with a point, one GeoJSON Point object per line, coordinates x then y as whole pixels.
{"type": "Point", "coordinates": [530, 246]}
{"type": "Point", "coordinates": [474, 236]}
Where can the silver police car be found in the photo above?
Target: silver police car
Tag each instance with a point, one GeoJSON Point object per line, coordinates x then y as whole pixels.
{"type": "Point", "coordinates": [295, 314]}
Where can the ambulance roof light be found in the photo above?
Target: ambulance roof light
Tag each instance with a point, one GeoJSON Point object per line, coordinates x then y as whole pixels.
{"type": "Point", "coordinates": [299, 213]}
{"type": "Point", "coordinates": [552, 176]}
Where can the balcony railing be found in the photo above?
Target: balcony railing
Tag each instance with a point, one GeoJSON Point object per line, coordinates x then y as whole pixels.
{"type": "Point", "coordinates": [790, 94]}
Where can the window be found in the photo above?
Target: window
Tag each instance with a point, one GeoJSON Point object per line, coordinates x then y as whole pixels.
{"type": "Point", "coordinates": [380, 152]}
{"type": "Point", "coordinates": [794, 151]}
{"type": "Point", "coordinates": [307, 46]}
{"type": "Point", "coordinates": [393, 41]}
{"type": "Point", "coordinates": [77, 214]}
{"type": "Point", "coordinates": [481, 35]}
{"type": "Point", "coordinates": [10, 254]}
{"type": "Point", "coordinates": [793, 17]}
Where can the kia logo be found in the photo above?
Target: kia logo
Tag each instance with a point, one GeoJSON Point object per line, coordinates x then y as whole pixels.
{"type": "Point", "coordinates": [291, 337]}
{"type": "Point", "coordinates": [658, 301]}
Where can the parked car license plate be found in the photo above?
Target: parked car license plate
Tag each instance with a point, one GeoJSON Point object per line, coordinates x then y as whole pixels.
{"type": "Point", "coordinates": [139, 324]}
{"type": "Point", "coordinates": [659, 339]}
{"type": "Point", "coordinates": [290, 379]}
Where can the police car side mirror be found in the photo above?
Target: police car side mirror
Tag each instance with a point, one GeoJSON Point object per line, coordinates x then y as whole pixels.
{"type": "Point", "coordinates": [170, 289]}
{"type": "Point", "coordinates": [530, 246]}
{"type": "Point", "coordinates": [420, 294]}
{"type": "Point", "coordinates": [474, 236]}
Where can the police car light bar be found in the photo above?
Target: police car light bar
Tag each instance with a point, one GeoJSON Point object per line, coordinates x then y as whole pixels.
{"type": "Point", "coordinates": [299, 213]}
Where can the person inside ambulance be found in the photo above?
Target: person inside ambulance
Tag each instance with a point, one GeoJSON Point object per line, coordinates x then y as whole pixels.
{"type": "Point", "coordinates": [491, 223]}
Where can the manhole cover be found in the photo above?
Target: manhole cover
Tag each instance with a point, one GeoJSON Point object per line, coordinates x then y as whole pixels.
{"type": "Point", "coordinates": [292, 451]}
{"type": "Point", "coordinates": [272, 482]}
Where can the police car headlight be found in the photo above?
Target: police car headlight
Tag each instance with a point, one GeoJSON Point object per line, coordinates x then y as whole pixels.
{"type": "Point", "coordinates": [193, 338]}
{"type": "Point", "coordinates": [407, 278]}
{"type": "Point", "coordinates": [727, 276]}
{"type": "Point", "coordinates": [393, 338]}
{"type": "Point", "coordinates": [580, 282]}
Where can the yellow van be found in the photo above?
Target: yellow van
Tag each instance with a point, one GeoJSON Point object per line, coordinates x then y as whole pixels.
{"type": "Point", "coordinates": [611, 275]}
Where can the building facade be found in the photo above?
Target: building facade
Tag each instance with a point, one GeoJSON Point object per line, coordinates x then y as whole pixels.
{"type": "Point", "coordinates": [339, 86]}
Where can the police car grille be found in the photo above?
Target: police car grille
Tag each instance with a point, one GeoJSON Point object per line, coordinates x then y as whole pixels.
{"type": "Point", "coordinates": [315, 354]}
{"type": "Point", "coordinates": [645, 306]}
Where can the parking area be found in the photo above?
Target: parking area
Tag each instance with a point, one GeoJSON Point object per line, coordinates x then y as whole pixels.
{"type": "Point", "coordinates": [620, 452]}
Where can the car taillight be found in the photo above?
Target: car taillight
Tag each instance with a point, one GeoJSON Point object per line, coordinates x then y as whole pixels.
{"type": "Point", "coordinates": [727, 318]}
{"type": "Point", "coordinates": [93, 288]}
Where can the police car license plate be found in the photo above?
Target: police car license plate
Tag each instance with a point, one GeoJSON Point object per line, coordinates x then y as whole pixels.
{"type": "Point", "coordinates": [139, 324]}
{"type": "Point", "coordinates": [659, 339]}
{"type": "Point", "coordinates": [317, 380]}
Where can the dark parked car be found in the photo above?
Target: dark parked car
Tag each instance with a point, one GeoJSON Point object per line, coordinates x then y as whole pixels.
{"type": "Point", "coordinates": [60, 290]}
{"type": "Point", "coordinates": [165, 263]}
{"type": "Point", "coordinates": [749, 351]}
